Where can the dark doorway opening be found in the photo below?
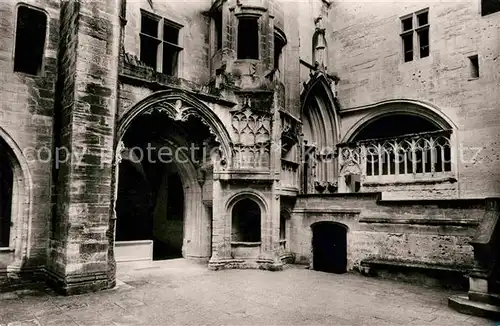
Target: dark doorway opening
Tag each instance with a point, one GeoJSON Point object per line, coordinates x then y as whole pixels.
{"type": "Point", "coordinates": [169, 223]}
{"type": "Point", "coordinates": [134, 207]}
{"type": "Point", "coordinates": [329, 247]}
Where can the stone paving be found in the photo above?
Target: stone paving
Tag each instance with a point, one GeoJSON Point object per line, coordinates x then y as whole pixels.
{"type": "Point", "coordinates": [180, 292]}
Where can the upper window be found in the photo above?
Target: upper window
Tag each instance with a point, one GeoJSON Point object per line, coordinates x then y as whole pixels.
{"type": "Point", "coordinates": [248, 38]}
{"type": "Point", "coordinates": [278, 51]}
{"type": "Point", "coordinates": [160, 43]}
{"type": "Point", "coordinates": [31, 31]}
{"type": "Point", "coordinates": [489, 7]}
{"type": "Point", "coordinates": [218, 29]}
{"type": "Point", "coordinates": [415, 35]}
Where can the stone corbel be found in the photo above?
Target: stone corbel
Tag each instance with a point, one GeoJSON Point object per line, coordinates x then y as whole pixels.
{"type": "Point", "coordinates": [120, 148]}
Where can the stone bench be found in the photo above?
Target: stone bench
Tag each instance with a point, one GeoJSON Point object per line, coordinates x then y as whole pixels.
{"type": "Point", "coordinates": [453, 276]}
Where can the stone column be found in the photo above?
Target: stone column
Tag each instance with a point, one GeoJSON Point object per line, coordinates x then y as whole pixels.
{"type": "Point", "coordinates": [78, 255]}
{"type": "Point", "coordinates": [221, 246]}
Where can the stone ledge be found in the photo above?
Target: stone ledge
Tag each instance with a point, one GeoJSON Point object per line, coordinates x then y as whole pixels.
{"type": "Point", "coordinates": [328, 211]}
{"type": "Point", "coordinates": [423, 221]}
{"type": "Point", "coordinates": [414, 265]}
{"type": "Point", "coordinates": [433, 275]}
{"type": "Point", "coordinates": [263, 264]}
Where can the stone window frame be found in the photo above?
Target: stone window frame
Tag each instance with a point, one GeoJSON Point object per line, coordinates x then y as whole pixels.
{"type": "Point", "coordinates": [41, 73]}
{"type": "Point", "coordinates": [281, 37]}
{"type": "Point", "coordinates": [415, 31]}
{"type": "Point", "coordinates": [162, 21]}
{"type": "Point", "coordinates": [253, 13]}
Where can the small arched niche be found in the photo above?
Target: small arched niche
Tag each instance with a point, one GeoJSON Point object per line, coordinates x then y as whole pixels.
{"type": "Point", "coordinates": [246, 221]}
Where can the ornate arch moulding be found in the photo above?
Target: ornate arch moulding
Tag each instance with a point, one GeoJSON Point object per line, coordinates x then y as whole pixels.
{"type": "Point", "coordinates": [321, 81]}
{"type": "Point", "coordinates": [252, 194]}
{"type": "Point", "coordinates": [178, 106]}
{"type": "Point", "coordinates": [389, 107]}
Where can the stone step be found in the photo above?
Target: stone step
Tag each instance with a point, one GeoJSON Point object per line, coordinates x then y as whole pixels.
{"type": "Point", "coordinates": [490, 298]}
{"type": "Point", "coordinates": [466, 306]}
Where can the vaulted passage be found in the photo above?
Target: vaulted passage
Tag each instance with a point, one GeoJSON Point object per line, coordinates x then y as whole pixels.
{"type": "Point", "coordinates": [157, 181]}
{"type": "Point", "coordinates": [329, 247]}
{"type": "Point", "coordinates": [6, 183]}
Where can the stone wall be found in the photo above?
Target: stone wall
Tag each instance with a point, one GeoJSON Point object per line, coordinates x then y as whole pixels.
{"type": "Point", "coordinates": [26, 112]}
{"type": "Point", "coordinates": [366, 51]}
{"type": "Point", "coordinates": [433, 232]}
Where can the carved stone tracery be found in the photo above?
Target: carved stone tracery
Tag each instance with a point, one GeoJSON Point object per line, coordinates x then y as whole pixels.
{"type": "Point", "coordinates": [252, 132]}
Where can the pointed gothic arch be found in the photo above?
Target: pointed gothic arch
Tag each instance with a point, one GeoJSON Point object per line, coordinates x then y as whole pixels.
{"type": "Point", "coordinates": [381, 110]}
{"type": "Point", "coordinates": [179, 105]}
{"type": "Point", "coordinates": [320, 128]}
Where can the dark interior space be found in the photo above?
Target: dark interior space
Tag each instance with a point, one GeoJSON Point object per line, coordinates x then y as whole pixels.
{"type": "Point", "coordinates": [329, 247]}
{"type": "Point", "coordinates": [218, 29]}
{"type": "Point", "coordinates": [6, 183]}
{"type": "Point", "coordinates": [134, 206]}
{"type": "Point", "coordinates": [30, 40]}
{"type": "Point", "coordinates": [246, 221]}
{"type": "Point", "coordinates": [169, 244]}
{"type": "Point", "coordinates": [395, 125]}
{"type": "Point", "coordinates": [248, 38]}
{"type": "Point", "coordinates": [150, 204]}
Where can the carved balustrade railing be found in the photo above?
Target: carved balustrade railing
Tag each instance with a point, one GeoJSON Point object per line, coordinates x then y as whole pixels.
{"type": "Point", "coordinates": [289, 174]}
{"type": "Point", "coordinates": [415, 156]}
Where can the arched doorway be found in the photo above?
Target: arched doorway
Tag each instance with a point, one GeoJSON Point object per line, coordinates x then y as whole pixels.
{"type": "Point", "coordinates": [246, 219]}
{"type": "Point", "coordinates": [157, 180]}
{"type": "Point", "coordinates": [329, 244]}
{"type": "Point", "coordinates": [6, 185]}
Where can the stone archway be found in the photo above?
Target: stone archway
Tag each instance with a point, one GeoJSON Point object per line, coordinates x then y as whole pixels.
{"type": "Point", "coordinates": [17, 183]}
{"type": "Point", "coordinates": [186, 140]}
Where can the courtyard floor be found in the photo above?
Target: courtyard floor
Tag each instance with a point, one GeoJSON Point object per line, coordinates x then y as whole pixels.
{"type": "Point", "coordinates": [180, 292]}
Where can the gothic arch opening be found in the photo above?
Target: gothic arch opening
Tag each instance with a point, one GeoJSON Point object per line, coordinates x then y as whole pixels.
{"type": "Point", "coordinates": [245, 221]}
{"type": "Point", "coordinates": [399, 141]}
{"type": "Point", "coordinates": [320, 136]}
{"type": "Point", "coordinates": [159, 194]}
{"type": "Point", "coordinates": [329, 245]}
